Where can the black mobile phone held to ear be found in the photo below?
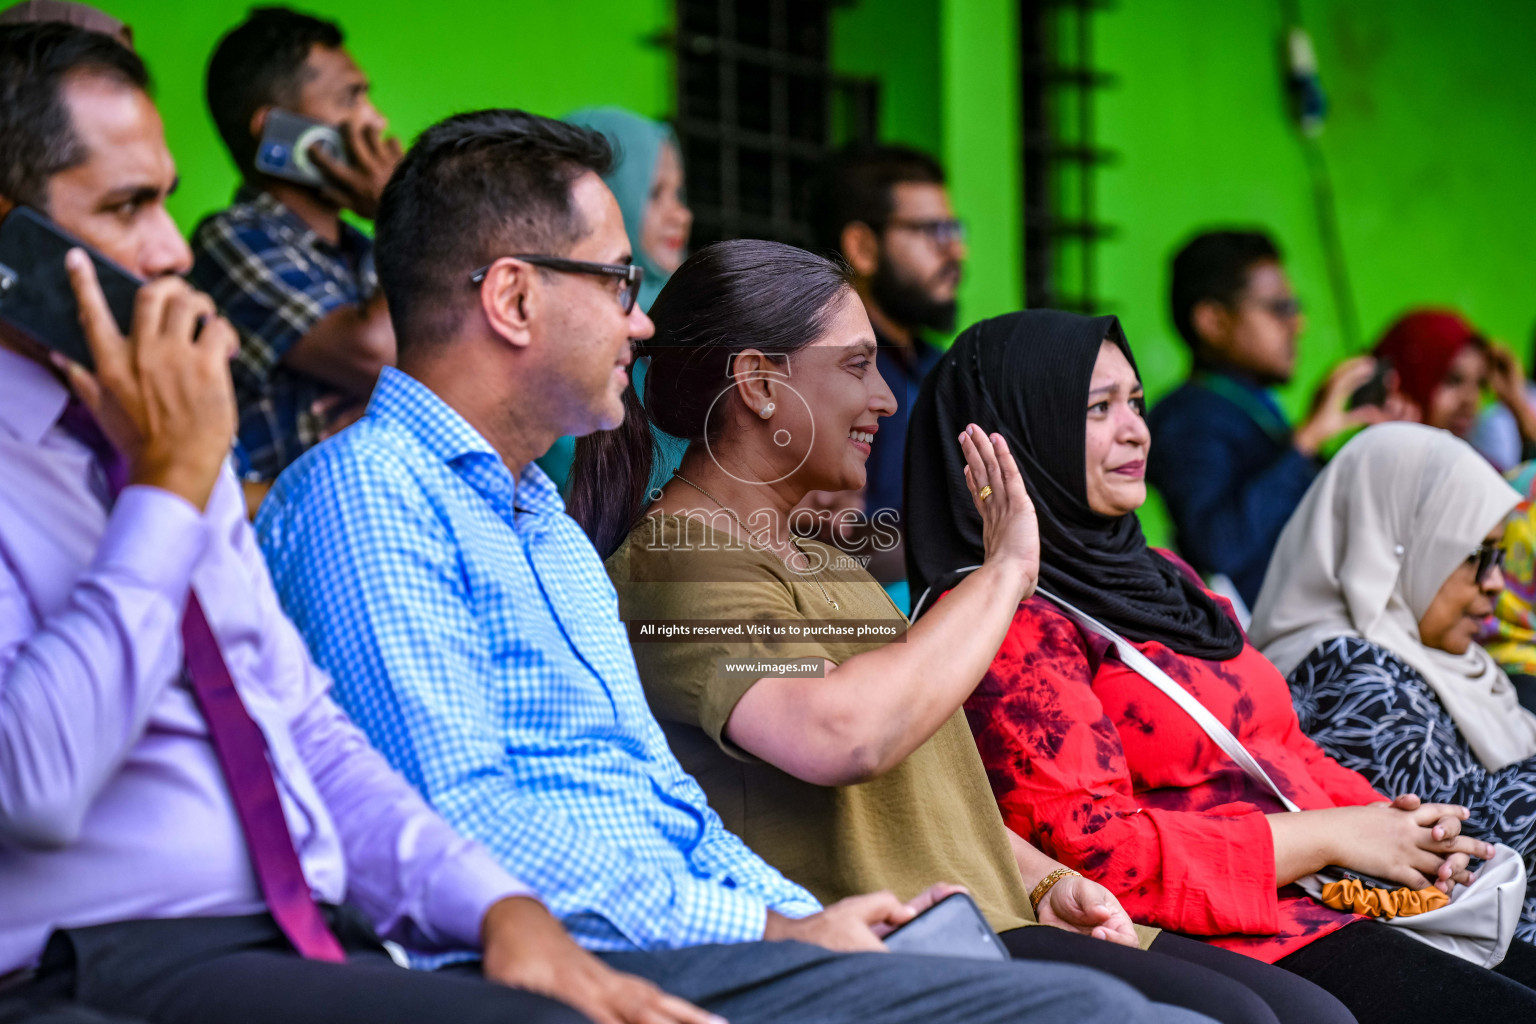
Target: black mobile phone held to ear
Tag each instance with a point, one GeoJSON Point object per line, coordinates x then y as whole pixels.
{"type": "Point", "coordinates": [36, 298]}
{"type": "Point", "coordinates": [1374, 390]}
{"type": "Point", "coordinates": [954, 926]}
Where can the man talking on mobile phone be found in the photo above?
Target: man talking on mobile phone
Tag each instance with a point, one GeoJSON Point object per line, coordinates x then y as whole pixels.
{"type": "Point", "coordinates": [190, 830]}
{"type": "Point", "coordinates": [281, 263]}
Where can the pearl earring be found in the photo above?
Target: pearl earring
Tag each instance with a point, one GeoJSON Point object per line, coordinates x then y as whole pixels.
{"type": "Point", "coordinates": [767, 410]}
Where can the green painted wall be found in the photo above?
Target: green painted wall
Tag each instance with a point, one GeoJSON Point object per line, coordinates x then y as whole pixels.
{"type": "Point", "coordinates": [1428, 137]}
{"type": "Point", "coordinates": [426, 62]}
{"type": "Point", "coordinates": [980, 58]}
{"type": "Point", "coordinates": [949, 71]}
{"type": "Point", "coordinates": [896, 41]}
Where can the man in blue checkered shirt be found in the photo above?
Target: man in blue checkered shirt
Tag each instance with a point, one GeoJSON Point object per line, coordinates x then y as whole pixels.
{"type": "Point", "coordinates": [474, 635]}
{"type": "Point", "coordinates": [281, 264]}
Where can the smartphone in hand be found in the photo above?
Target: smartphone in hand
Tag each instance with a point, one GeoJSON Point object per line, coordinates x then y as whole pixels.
{"type": "Point", "coordinates": [1374, 390]}
{"type": "Point", "coordinates": [36, 298]}
{"type": "Point", "coordinates": [954, 926]}
{"type": "Point", "coordinates": [286, 141]}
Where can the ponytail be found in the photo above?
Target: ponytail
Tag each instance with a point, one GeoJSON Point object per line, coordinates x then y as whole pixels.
{"type": "Point", "coordinates": [611, 475]}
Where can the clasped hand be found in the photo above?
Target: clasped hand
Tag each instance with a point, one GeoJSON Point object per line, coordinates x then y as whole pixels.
{"type": "Point", "coordinates": [1409, 841]}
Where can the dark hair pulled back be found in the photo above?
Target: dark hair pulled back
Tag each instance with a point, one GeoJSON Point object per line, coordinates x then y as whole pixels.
{"type": "Point", "coordinates": [725, 298]}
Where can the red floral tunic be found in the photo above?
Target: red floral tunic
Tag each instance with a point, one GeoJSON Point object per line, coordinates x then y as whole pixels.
{"type": "Point", "coordinates": [1110, 776]}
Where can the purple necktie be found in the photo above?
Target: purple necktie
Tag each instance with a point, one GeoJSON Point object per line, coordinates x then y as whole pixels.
{"type": "Point", "coordinates": [237, 741]}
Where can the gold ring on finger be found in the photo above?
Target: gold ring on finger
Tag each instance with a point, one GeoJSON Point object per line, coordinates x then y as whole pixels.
{"type": "Point", "coordinates": [985, 494]}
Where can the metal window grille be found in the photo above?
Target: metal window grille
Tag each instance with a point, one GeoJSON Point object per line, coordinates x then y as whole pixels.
{"type": "Point", "coordinates": [758, 110]}
{"type": "Point", "coordinates": [1061, 157]}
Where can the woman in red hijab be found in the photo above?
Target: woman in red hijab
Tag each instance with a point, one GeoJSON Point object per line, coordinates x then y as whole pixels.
{"type": "Point", "coordinates": [1443, 364]}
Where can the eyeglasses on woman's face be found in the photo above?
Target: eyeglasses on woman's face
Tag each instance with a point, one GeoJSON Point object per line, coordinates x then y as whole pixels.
{"type": "Point", "coordinates": [1488, 557]}
{"type": "Point", "coordinates": [628, 273]}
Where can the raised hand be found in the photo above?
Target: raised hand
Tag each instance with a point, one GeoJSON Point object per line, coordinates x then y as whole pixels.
{"type": "Point", "coordinates": [357, 184]}
{"type": "Point", "coordinates": [1505, 377]}
{"type": "Point", "coordinates": [1331, 414]}
{"type": "Point", "coordinates": [1010, 531]}
{"type": "Point", "coordinates": [163, 395]}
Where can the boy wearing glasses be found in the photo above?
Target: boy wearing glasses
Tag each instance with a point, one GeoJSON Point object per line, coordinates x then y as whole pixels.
{"type": "Point", "coordinates": [885, 209]}
{"type": "Point", "coordinates": [1227, 462]}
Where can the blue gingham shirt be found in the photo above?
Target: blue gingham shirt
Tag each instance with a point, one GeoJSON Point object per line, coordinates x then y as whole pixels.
{"type": "Point", "coordinates": [275, 278]}
{"type": "Point", "coordinates": [473, 633]}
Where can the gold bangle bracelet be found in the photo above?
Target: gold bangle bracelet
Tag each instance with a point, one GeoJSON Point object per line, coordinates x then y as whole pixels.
{"type": "Point", "coordinates": [1045, 886]}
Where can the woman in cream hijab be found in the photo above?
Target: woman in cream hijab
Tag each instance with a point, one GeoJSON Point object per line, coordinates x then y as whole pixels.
{"type": "Point", "coordinates": [1374, 594]}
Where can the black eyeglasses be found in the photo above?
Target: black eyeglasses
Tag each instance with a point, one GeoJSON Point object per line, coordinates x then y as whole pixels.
{"type": "Point", "coordinates": [630, 273]}
{"type": "Point", "coordinates": [1488, 557]}
{"type": "Point", "coordinates": [1281, 309]}
{"type": "Point", "coordinates": [940, 232]}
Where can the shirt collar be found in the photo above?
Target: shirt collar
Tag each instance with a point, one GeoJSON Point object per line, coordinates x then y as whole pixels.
{"type": "Point", "coordinates": [269, 206]}
{"type": "Point", "coordinates": [537, 493]}
{"type": "Point", "coordinates": [1238, 377]}
{"type": "Point", "coordinates": [31, 398]}
{"type": "Point", "coordinates": [402, 399]}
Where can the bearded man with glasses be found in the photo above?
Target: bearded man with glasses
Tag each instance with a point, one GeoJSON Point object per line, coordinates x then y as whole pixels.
{"type": "Point", "coordinates": [885, 210]}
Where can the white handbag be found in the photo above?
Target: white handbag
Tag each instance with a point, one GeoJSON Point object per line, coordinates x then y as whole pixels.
{"type": "Point", "coordinates": [1479, 922]}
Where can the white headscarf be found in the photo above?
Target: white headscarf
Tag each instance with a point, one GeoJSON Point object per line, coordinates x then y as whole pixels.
{"type": "Point", "coordinates": [1393, 515]}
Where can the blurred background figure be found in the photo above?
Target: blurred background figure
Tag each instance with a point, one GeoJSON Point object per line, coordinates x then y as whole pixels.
{"type": "Point", "coordinates": [79, 15]}
{"type": "Point", "coordinates": [887, 211]}
{"type": "Point", "coordinates": [282, 264]}
{"type": "Point", "coordinates": [1227, 462]}
{"type": "Point", "coordinates": [647, 179]}
{"type": "Point", "coordinates": [1510, 633]}
{"type": "Point", "coordinates": [1444, 365]}
{"type": "Point", "coordinates": [648, 182]}
{"type": "Point", "coordinates": [1372, 608]}
{"type": "Point", "coordinates": [1497, 434]}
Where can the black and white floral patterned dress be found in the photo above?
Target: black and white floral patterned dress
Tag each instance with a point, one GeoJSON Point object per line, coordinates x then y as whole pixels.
{"type": "Point", "coordinates": [1374, 713]}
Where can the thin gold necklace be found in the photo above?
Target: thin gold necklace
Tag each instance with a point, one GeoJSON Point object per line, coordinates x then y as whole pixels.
{"type": "Point", "coordinates": [814, 575]}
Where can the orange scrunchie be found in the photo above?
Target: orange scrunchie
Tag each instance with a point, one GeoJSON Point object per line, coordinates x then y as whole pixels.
{"type": "Point", "coordinates": [1351, 894]}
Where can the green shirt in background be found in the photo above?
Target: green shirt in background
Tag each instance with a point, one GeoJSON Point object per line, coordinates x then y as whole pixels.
{"type": "Point", "coordinates": [931, 819]}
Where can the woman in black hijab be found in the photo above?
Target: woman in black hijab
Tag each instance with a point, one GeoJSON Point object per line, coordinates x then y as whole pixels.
{"type": "Point", "coordinates": [1027, 374]}
{"type": "Point", "coordinates": [1110, 776]}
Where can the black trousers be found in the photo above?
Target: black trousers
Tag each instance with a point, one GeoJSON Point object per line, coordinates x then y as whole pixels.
{"type": "Point", "coordinates": [1386, 977]}
{"type": "Point", "coordinates": [1225, 986]}
{"type": "Point", "coordinates": [236, 970]}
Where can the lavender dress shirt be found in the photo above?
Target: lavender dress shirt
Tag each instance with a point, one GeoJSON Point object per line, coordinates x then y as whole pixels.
{"type": "Point", "coordinates": [112, 803]}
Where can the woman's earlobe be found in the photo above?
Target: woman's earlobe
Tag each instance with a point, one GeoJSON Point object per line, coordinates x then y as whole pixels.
{"type": "Point", "coordinates": [766, 412]}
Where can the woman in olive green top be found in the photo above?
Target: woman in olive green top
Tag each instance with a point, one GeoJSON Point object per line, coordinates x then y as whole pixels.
{"type": "Point", "coordinates": [929, 818]}
{"type": "Point", "coordinates": [865, 775]}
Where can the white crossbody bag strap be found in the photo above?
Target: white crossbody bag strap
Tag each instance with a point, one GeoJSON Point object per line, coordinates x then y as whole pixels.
{"type": "Point", "coordinates": [1479, 923]}
{"type": "Point", "coordinates": [1147, 669]}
